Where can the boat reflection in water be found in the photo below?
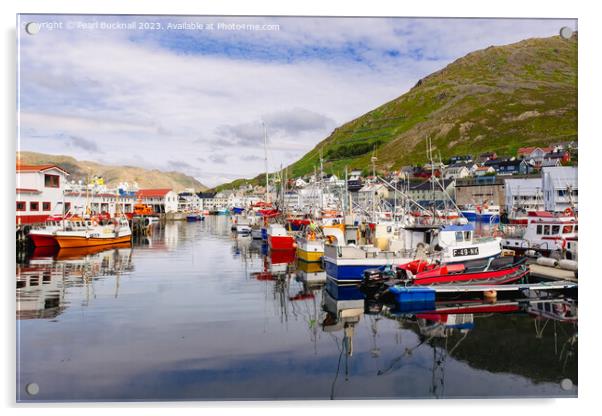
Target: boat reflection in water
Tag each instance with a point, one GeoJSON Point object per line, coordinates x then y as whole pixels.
{"type": "Point", "coordinates": [41, 284]}
{"type": "Point", "coordinates": [280, 325]}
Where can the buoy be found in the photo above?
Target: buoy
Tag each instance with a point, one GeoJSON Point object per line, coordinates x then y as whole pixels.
{"type": "Point", "coordinates": [547, 261]}
{"type": "Point", "coordinates": [568, 265]}
{"type": "Point", "coordinates": [490, 295]}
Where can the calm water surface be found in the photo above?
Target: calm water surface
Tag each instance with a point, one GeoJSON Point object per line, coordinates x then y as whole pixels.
{"type": "Point", "coordinates": [196, 313]}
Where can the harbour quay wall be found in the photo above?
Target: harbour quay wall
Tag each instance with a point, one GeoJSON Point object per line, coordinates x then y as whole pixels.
{"type": "Point", "coordinates": [474, 191]}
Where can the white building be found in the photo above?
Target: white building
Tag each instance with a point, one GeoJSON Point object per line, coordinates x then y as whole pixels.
{"type": "Point", "coordinates": [161, 200]}
{"type": "Point", "coordinates": [189, 201]}
{"type": "Point", "coordinates": [39, 192]}
{"type": "Point", "coordinates": [372, 192]}
{"type": "Point", "coordinates": [213, 201]}
{"type": "Point", "coordinates": [560, 188]}
{"type": "Point", "coordinates": [77, 201]}
{"type": "Point", "coordinates": [525, 193]}
{"type": "Point", "coordinates": [456, 172]}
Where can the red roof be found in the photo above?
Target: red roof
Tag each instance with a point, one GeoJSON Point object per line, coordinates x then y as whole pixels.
{"type": "Point", "coordinates": [529, 150]}
{"type": "Point", "coordinates": [38, 168]}
{"type": "Point", "coordinates": [153, 193]}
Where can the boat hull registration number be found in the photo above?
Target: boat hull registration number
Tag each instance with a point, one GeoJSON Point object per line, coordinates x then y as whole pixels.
{"type": "Point", "coordinates": [469, 251]}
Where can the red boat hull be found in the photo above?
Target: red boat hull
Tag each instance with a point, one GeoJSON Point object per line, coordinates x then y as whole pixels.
{"type": "Point", "coordinates": [494, 272]}
{"type": "Point", "coordinates": [281, 242]}
{"type": "Point", "coordinates": [496, 277]}
{"type": "Point", "coordinates": [41, 240]}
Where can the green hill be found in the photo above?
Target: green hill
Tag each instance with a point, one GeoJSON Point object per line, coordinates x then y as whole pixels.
{"type": "Point", "coordinates": [496, 99]}
{"type": "Point", "coordinates": [113, 175]}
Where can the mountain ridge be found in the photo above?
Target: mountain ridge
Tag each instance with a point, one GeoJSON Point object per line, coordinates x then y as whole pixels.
{"type": "Point", "coordinates": [114, 174]}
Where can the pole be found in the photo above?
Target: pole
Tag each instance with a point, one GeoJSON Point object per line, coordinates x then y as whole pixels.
{"type": "Point", "coordinates": [265, 148]}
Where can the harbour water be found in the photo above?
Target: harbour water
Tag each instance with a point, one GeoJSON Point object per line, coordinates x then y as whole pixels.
{"type": "Point", "coordinates": [196, 313]}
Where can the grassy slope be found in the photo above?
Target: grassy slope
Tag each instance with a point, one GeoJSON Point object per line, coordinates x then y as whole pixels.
{"type": "Point", "coordinates": [145, 178]}
{"type": "Point", "coordinates": [496, 99]}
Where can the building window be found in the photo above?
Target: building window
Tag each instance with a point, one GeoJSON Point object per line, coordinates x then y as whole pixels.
{"type": "Point", "coordinates": [20, 205]}
{"type": "Point", "coordinates": [34, 206]}
{"type": "Point", "coordinates": [51, 181]}
{"type": "Point", "coordinates": [46, 206]}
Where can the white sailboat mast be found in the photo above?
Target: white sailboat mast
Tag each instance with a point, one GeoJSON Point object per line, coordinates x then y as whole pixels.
{"type": "Point", "coordinates": [265, 148]}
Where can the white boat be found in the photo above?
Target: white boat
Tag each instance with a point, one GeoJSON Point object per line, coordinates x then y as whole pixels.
{"type": "Point", "coordinates": [397, 245]}
{"type": "Point", "coordinates": [545, 232]}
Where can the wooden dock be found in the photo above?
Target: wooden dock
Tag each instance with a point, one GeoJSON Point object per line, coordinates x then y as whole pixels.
{"type": "Point", "coordinates": [559, 285]}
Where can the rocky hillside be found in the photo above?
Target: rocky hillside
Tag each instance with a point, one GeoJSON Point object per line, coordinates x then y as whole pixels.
{"type": "Point", "coordinates": [496, 99]}
{"type": "Point", "coordinates": [113, 175]}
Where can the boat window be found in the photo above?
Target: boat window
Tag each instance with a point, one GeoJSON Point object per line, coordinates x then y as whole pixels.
{"type": "Point", "coordinates": [567, 229]}
{"type": "Point", "coordinates": [459, 236]}
{"type": "Point", "coordinates": [539, 229]}
{"type": "Point", "coordinates": [555, 229]}
{"type": "Point", "coordinates": [546, 230]}
{"type": "Point", "coordinates": [389, 228]}
{"type": "Point", "coordinates": [467, 235]}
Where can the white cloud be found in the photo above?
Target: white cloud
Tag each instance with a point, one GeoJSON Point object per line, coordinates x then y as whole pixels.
{"type": "Point", "coordinates": [147, 102]}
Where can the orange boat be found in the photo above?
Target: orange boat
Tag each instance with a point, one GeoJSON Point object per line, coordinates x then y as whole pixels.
{"type": "Point", "coordinates": [90, 234]}
{"type": "Point", "coordinates": [79, 252]}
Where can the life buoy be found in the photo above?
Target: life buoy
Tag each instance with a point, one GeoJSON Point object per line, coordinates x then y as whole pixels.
{"type": "Point", "coordinates": [568, 211]}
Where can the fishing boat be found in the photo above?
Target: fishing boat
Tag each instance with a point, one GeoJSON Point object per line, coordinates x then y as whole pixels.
{"type": "Point", "coordinates": [85, 233]}
{"type": "Point", "coordinates": [43, 236]}
{"type": "Point", "coordinates": [545, 232]}
{"type": "Point", "coordinates": [394, 244]}
{"type": "Point", "coordinates": [193, 217]}
{"type": "Point", "coordinates": [310, 243]}
{"type": "Point", "coordinates": [482, 213]}
{"type": "Point", "coordinates": [279, 239]}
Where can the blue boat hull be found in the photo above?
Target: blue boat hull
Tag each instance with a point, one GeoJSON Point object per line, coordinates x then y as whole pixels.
{"type": "Point", "coordinates": [473, 216]}
{"type": "Point", "coordinates": [348, 273]}
{"type": "Point", "coordinates": [343, 292]}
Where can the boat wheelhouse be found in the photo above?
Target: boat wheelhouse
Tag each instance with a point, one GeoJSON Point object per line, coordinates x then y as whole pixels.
{"type": "Point", "coordinates": [545, 232]}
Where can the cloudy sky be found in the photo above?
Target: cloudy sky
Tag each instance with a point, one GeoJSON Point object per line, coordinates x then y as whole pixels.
{"type": "Point", "coordinates": [191, 93]}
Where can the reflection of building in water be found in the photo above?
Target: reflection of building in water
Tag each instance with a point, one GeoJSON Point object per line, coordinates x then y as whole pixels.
{"type": "Point", "coordinates": [170, 234]}
{"type": "Point", "coordinates": [39, 292]}
{"type": "Point", "coordinates": [41, 284]}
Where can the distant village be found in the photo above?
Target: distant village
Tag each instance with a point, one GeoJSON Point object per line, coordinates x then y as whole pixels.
{"type": "Point", "coordinates": [536, 178]}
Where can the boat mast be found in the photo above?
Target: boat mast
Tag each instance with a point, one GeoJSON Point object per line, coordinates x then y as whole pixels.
{"type": "Point", "coordinates": [346, 201]}
{"type": "Point", "coordinates": [265, 148]}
